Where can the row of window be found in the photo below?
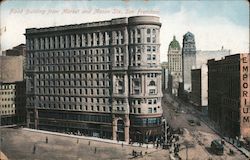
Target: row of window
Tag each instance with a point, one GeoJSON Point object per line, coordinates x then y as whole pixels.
{"type": "Point", "coordinates": [72, 75]}
{"type": "Point", "coordinates": [72, 106]}
{"type": "Point", "coordinates": [72, 60]}
{"type": "Point", "coordinates": [63, 76]}
{"type": "Point", "coordinates": [89, 107]}
{"type": "Point", "coordinates": [7, 86]}
{"type": "Point", "coordinates": [145, 121]}
{"type": "Point", "coordinates": [7, 93]}
{"type": "Point", "coordinates": [77, 83]}
{"type": "Point", "coordinates": [73, 53]}
{"type": "Point", "coordinates": [136, 36]}
{"type": "Point", "coordinates": [7, 112]}
{"type": "Point", "coordinates": [7, 105]}
{"type": "Point", "coordinates": [76, 40]}
{"type": "Point", "coordinates": [72, 99]}
{"type": "Point", "coordinates": [78, 117]}
{"type": "Point", "coordinates": [67, 91]}
{"type": "Point", "coordinates": [8, 99]}
{"type": "Point", "coordinates": [74, 67]}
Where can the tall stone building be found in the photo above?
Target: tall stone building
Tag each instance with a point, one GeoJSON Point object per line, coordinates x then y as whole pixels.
{"type": "Point", "coordinates": [188, 59]}
{"type": "Point", "coordinates": [99, 79]}
{"type": "Point", "coordinates": [228, 94]}
{"type": "Point", "coordinates": [175, 66]}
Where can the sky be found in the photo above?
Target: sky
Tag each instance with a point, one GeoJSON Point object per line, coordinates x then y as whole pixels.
{"type": "Point", "coordinates": [214, 23]}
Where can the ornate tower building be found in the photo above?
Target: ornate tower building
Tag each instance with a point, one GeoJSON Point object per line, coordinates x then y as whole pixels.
{"type": "Point", "coordinates": [174, 66]}
{"type": "Point", "coordinates": [188, 59]}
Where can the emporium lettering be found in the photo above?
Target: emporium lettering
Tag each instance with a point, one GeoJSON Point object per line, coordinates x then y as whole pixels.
{"type": "Point", "coordinates": [245, 90]}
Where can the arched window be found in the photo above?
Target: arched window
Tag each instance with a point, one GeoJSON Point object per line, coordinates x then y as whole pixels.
{"type": "Point", "coordinates": [152, 83]}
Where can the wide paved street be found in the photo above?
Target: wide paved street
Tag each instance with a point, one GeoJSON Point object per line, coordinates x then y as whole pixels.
{"type": "Point", "coordinates": [20, 144]}
{"type": "Point", "coordinates": [197, 135]}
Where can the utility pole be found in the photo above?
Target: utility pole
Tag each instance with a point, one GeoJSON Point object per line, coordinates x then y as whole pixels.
{"type": "Point", "coordinates": [186, 152]}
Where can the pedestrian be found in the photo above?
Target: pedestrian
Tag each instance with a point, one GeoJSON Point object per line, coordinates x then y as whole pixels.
{"type": "Point", "coordinates": [34, 149]}
{"type": "Point", "coordinates": [89, 143]}
{"type": "Point", "coordinates": [77, 141]}
{"type": "Point", "coordinates": [95, 150]}
{"type": "Point", "coordinates": [122, 144]}
{"type": "Point", "coordinates": [47, 140]}
{"type": "Point", "coordinates": [133, 153]}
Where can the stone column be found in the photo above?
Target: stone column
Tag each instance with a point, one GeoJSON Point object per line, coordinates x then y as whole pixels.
{"type": "Point", "coordinates": [125, 35]}
{"type": "Point", "coordinates": [143, 84]}
{"type": "Point", "coordinates": [77, 41]}
{"type": "Point", "coordinates": [51, 43]}
{"type": "Point", "coordinates": [126, 129]}
{"type": "Point", "coordinates": [83, 40]}
{"type": "Point", "coordinates": [126, 84]}
{"type": "Point", "coordinates": [114, 124]}
{"type": "Point", "coordinates": [56, 42]}
{"type": "Point", "coordinates": [41, 43]}
{"type": "Point", "coordinates": [88, 39]}
{"type": "Point", "coordinates": [94, 39]}
{"type": "Point", "coordinates": [66, 41]}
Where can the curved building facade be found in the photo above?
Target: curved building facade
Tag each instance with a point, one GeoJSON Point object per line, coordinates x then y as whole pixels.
{"type": "Point", "coordinates": [98, 79]}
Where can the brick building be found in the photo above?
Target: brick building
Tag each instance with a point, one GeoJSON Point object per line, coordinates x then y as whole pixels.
{"type": "Point", "coordinates": [228, 94]}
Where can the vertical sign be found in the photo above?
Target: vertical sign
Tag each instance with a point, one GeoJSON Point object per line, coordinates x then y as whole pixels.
{"type": "Point", "coordinates": [245, 94]}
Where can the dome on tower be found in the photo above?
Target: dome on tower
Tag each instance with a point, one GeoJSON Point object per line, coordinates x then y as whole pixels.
{"type": "Point", "coordinates": [174, 44]}
{"type": "Point", "coordinates": [188, 35]}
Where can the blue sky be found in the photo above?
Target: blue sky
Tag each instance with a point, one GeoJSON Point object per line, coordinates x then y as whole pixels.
{"type": "Point", "coordinates": [228, 19]}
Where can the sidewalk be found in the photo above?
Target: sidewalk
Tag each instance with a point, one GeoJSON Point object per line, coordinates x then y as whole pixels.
{"type": "Point", "coordinates": [91, 138]}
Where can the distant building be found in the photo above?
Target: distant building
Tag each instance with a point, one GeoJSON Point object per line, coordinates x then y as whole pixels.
{"type": "Point", "coordinates": [99, 79]}
{"type": "Point", "coordinates": [188, 59]}
{"type": "Point", "coordinates": [199, 88]}
{"type": "Point", "coordinates": [174, 66]}
{"type": "Point", "coordinates": [229, 94]}
{"type": "Point", "coordinates": [202, 56]}
{"type": "Point", "coordinates": [12, 106]}
{"type": "Point", "coordinates": [12, 90]}
{"type": "Point", "coordinates": [11, 68]}
{"type": "Point", "coordinates": [19, 50]}
{"type": "Point", "coordinates": [199, 77]}
{"type": "Point", "coordinates": [164, 66]}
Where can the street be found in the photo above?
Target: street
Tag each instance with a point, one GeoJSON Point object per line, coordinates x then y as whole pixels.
{"type": "Point", "coordinates": [197, 136]}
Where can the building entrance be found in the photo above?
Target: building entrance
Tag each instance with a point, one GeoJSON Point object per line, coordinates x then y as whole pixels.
{"type": "Point", "coordinates": [120, 130]}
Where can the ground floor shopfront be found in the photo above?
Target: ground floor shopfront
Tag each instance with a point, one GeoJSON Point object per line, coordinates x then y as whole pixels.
{"type": "Point", "coordinates": [120, 127]}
